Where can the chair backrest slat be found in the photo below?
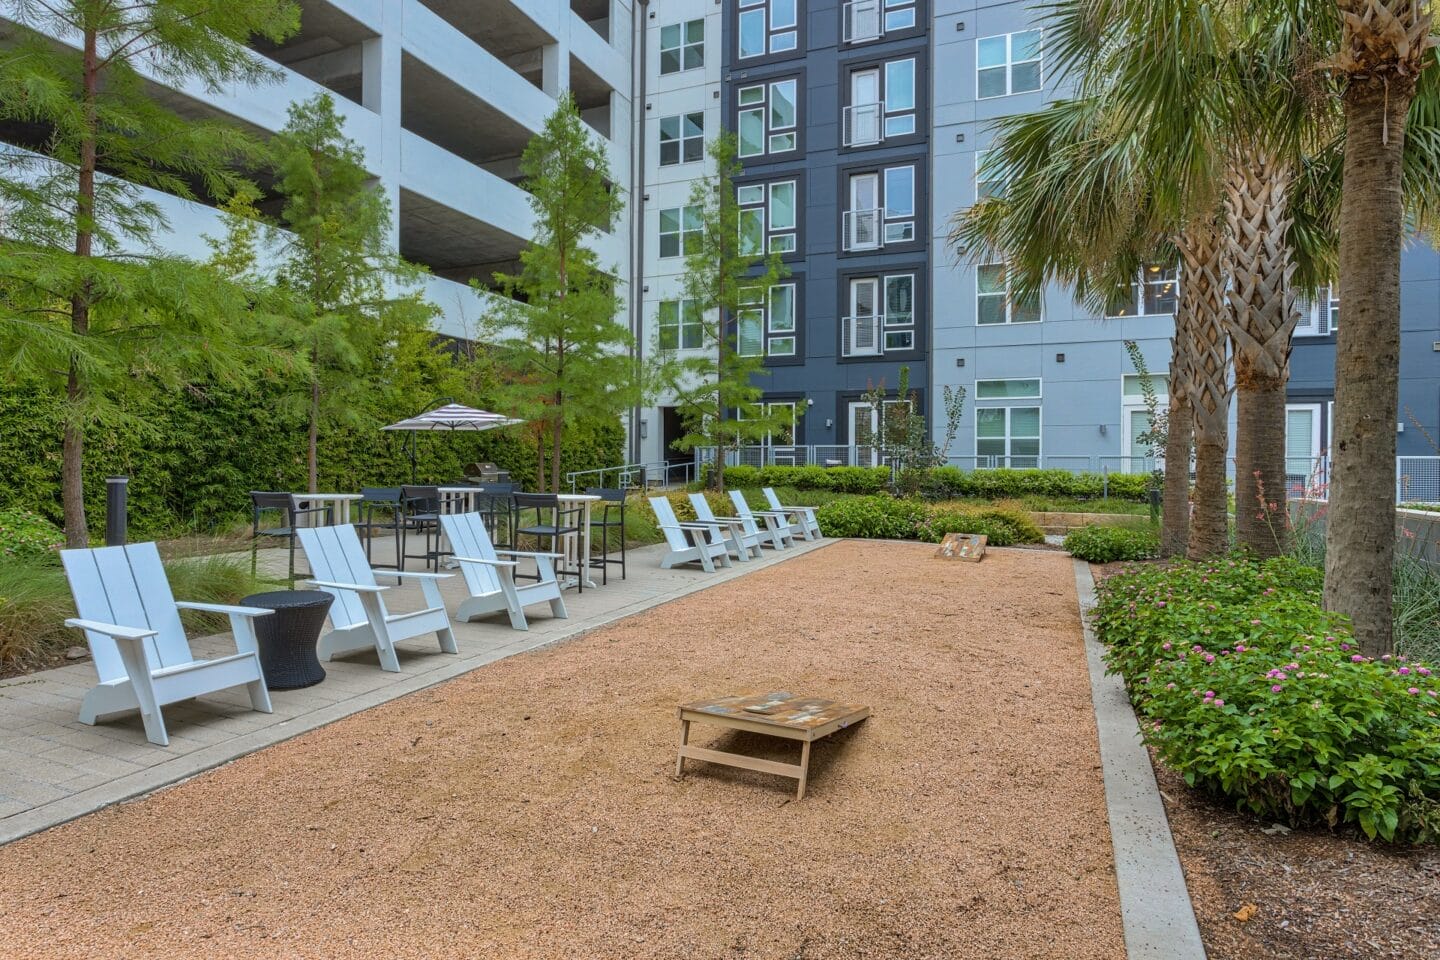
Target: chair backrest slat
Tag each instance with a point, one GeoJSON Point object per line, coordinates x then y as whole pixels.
{"type": "Point", "coordinates": [335, 554]}
{"type": "Point", "coordinates": [469, 538]}
{"type": "Point", "coordinates": [770, 497]}
{"type": "Point", "coordinates": [702, 507]}
{"type": "Point", "coordinates": [742, 506]}
{"type": "Point", "coordinates": [126, 586]}
{"type": "Point", "coordinates": [665, 514]}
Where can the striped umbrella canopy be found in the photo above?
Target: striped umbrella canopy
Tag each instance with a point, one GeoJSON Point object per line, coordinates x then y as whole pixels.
{"type": "Point", "coordinates": [454, 416]}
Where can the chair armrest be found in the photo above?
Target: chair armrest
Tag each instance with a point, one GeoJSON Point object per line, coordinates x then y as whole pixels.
{"type": "Point", "coordinates": [731, 519]}
{"type": "Point", "coordinates": [488, 563]}
{"type": "Point", "coordinates": [110, 629]}
{"type": "Point", "coordinates": [354, 587]}
{"type": "Point", "coordinates": [531, 553]}
{"type": "Point", "coordinates": [402, 574]}
{"type": "Point", "coordinates": [233, 611]}
{"type": "Point", "coordinates": [696, 525]}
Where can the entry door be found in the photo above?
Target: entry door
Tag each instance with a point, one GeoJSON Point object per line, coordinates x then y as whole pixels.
{"type": "Point", "coordinates": [864, 211]}
{"type": "Point", "coordinates": [864, 424]}
{"type": "Point", "coordinates": [864, 340]}
{"type": "Point", "coordinates": [1302, 445]}
{"type": "Point", "coordinates": [865, 106]}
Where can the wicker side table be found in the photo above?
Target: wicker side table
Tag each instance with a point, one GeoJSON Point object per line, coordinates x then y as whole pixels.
{"type": "Point", "coordinates": [287, 639]}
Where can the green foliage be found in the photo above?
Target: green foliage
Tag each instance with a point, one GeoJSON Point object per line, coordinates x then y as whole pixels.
{"type": "Point", "coordinates": [839, 479]}
{"type": "Point", "coordinates": [1100, 544]}
{"type": "Point", "coordinates": [1253, 693]}
{"type": "Point", "coordinates": [948, 482]}
{"type": "Point", "coordinates": [716, 394]}
{"type": "Point", "coordinates": [566, 354]}
{"type": "Point", "coordinates": [26, 535]}
{"type": "Point", "coordinates": [1004, 525]}
{"type": "Point", "coordinates": [889, 518]}
{"type": "Point", "coordinates": [902, 434]}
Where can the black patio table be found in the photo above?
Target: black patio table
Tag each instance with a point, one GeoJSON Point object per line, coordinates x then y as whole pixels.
{"type": "Point", "coordinates": [287, 638]}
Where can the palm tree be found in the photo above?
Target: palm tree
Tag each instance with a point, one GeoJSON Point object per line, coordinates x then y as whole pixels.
{"type": "Point", "coordinates": [1382, 54]}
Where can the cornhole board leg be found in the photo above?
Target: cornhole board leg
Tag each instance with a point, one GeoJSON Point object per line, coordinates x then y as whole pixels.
{"type": "Point", "coordinates": [795, 771]}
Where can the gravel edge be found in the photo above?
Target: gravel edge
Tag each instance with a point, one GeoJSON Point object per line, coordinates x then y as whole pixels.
{"type": "Point", "coordinates": [1155, 908]}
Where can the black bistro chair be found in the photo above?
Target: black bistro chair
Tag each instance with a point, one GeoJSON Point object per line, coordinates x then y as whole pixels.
{"type": "Point", "coordinates": [382, 509]}
{"type": "Point", "coordinates": [606, 515]}
{"type": "Point", "coordinates": [290, 509]}
{"type": "Point", "coordinates": [421, 517]}
{"type": "Point", "coordinates": [495, 502]}
{"type": "Point", "coordinates": [544, 517]}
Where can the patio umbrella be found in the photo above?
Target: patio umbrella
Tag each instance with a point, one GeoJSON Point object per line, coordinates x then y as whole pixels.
{"type": "Point", "coordinates": [452, 416]}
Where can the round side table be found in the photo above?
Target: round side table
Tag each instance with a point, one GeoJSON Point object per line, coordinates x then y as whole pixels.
{"type": "Point", "coordinates": [287, 637]}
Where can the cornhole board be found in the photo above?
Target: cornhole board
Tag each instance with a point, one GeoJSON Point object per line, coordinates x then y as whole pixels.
{"type": "Point", "coordinates": [774, 714]}
{"type": "Point", "coordinates": [963, 546]}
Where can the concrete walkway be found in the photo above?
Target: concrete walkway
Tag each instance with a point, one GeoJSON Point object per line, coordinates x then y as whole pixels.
{"type": "Point", "coordinates": [54, 768]}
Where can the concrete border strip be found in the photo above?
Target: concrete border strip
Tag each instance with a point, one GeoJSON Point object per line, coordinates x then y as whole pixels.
{"type": "Point", "coordinates": [1155, 907]}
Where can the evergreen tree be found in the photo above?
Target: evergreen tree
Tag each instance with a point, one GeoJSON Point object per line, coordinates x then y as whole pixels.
{"type": "Point", "coordinates": [727, 285]}
{"type": "Point", "coordinates": [567, 356]}
{"type": "Point", "coordinates": [88, 303]}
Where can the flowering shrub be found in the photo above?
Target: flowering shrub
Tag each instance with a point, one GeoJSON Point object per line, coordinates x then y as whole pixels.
{"type": "Point", "coordinates": [1252, 692]}
{"type": "Point", "coordinates": [25, 534]}
{"type": "Point", "coordinates": [1099, 544]}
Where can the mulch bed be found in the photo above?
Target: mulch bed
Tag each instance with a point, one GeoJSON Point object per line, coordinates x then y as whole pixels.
{"type": "Point", "coordinates": [529, 808]}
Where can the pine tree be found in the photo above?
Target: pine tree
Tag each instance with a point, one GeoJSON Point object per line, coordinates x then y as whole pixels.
{"type": "Point", "coordinates": [567, 355]}
{"type": "Point", "coordinates": [727, 285]}
{"type": "Point", "coordinates": [86, 293]}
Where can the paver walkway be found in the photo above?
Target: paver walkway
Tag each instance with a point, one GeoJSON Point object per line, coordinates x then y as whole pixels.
{"type": "Point", "coordinates": [54, 768]}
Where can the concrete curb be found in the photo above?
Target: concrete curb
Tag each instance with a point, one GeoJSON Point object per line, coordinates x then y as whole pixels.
{"type": "Point", "coordinates": [179, 769]}
{"type": "Point", "coordinates": [1155, 907]}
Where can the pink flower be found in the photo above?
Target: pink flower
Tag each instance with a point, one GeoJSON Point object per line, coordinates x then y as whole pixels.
{"type": "Point", "coordinates": [1403, 671]}
{"type": "Point", "coordinates": [1356, 658]}
{"type": "Point", "coordinates": [1219, 703]}
{"type": "Point", "coordinates": [1159, 603]}
{"type": "Point", "coordinates": [1169, 686]}
{"type": "Point", "coordinates": [1210, 694]}
{"type": "Point", "coordinates": [1413, 690]}
{"type": "Point", "coordinates": [1165, 645]}
{"type": "Point", "coordinates": [1254, 623]}
{"type": "Point", "coordinates": [1276, 689]}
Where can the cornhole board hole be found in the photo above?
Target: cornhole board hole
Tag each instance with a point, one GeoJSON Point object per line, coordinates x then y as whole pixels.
{"type": "Point", "coordinates": [963, 546]}
{"type": "Point", "coordinates": [775, 714]}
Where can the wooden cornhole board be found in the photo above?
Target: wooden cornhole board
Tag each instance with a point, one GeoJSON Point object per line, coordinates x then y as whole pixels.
{"type": "Point", "coordinates": [963, 546]}
{"type": "Point", "coordinates": [774, 714]}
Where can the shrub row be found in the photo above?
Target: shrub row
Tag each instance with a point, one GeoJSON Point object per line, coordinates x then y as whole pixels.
{"type": "Point", "coordinates": [1255, 694]}
{"type": "Point", "coordinates": [946, 483]}
{"type": "Point", "coordinates": [1100, 544]}
{"type": "Point", "coordinates": [888, 518]}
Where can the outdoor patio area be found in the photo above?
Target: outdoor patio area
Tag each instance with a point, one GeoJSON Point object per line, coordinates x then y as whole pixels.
{"type": "Point", "coordinates": [530, 808]}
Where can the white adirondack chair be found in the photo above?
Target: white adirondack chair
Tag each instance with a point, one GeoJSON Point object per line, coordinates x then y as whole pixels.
{"type": "Point", "coordinates": [132, 623]}
{"type": "Point", "coordinates": [492, 580]}
{"type": "Point", "coordinates": [358, 617]}
{"type": "Point", "coordinates": [777, 525]}
{"type": "Point", "coordinates": [741, 540]}
{"type": "Point", "coordinates": [804, 524]}
{"type": "Point", "coordinates": [689, 542]}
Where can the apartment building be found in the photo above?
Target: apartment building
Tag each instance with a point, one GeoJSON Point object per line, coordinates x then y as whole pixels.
{"type": "Point", "coordinates": [442, 96]}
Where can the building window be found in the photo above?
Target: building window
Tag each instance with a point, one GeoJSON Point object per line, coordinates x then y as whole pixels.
{"type": "Point", "coordinates": [680, 325]}
{"type": "Point", "coordinates": [680, 231]}
{"type": "Point", "coordinates": [768, 219]}
{"type": "Point", "coordinates": [1008, 63]}
{"type": "Point", "coordinates": [882, 103]}
{"type": "Point", "coordinates": [881, 316]}
{"type": "Point", "coordinates": [765, 323]}
{"type": "Point", "coordinates": [767, 120]}
{"type": "Point", "coordinates": [1321, 316]}
{"type": "Point", "coordinates": [768, 26]}
{"type": "Point", "coordinates": [786, 414]}
{"type": "Point", "coordinates": [867, 20]}
{"type": "Point", "coordinates": [1006, 435]}
{"type": "Point", "coordinates": [682, 139]}
{"type": "Point", "coordinates": [881, 208]}
{"type": "Point", "coordinates": [991, 175]}
{"type": "Point", "coordinates": [993, 302]}
{"type": "Point", "coordinates": [682, 46]}
{"type": "Point", "coordinates": [1153, 293]}
{"type": "Point", "coordinates": [1135, 421]}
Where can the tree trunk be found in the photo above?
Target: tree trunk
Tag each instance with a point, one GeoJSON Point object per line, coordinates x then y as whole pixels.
{"type": "Point", "coordinates": [555, 437]}
{"type": "Point", "coordinates": [72, 453]}
{"type": "Point", "coordinates": [540, 457]}
{"type": "Point", "coordinates": [1360, 523]}
{"type": "Point", "coordinates": [1260, 326]}
{"type": "Point", "coordinates": [1179, 431]}
{"type": "Point", "coordinates": [312, 444]}
{"type": "Point", "coordinates": [1203, 250]}
{"type": "Point", "coordinates": [717, 471]}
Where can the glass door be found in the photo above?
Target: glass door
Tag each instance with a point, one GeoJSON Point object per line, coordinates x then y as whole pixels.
{"type": "Point", "coordinates": [865, 110]}
{"type": "Point", "coordinates": [861, 332]}
{"type": "Point", "coordinates": [863, 219]}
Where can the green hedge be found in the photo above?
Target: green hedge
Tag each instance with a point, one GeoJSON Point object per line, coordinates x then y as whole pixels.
{"type": "Point", "coordinates": [192, 456]}
{"type": "Point", "coordinates": [888, 518]}
{"type": "Point", "coordinates": [1253, 693]}
{"type": "Point", "coordinates": [947, 483]}
{"type": "Point", "coordinates": [838, 479]}
{"type": "Point", "coordinates": [1099, 544]}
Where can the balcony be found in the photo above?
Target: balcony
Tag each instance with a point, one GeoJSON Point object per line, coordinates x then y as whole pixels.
{"type": "Point", "coordinates": [861, 336]}
{"type": "Point", "coordinates": [862, 22]}
{"type": "Point", "coordinates": [862, 230]}
{"type": "Point", "coordinates": [864, 124]}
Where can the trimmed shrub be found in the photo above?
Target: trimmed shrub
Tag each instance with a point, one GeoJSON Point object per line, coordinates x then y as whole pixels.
{"type": "Point", "coordinates": [1004, 526]}
{"type": "Point", "coordinates": [838, 479]}
{"type": "Point", "coordinates": [25, 535]}
{"type": "Point", "coordinates": [1107, 544]}
{"type": "Point", "coordinates": [948, 482]}
{"type": "Point", "coordinates": [878, 517]}
{"type": "Point", "coordinates": [1255, 694]}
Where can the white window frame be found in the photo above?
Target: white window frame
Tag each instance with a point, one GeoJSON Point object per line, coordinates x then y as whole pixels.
{"type": "Point", "coordinates": [1317, 316]}
{"type": "Point", "coordinates": [1316, 408]}
{"type": "Point", "coordinates": [679, 325]}
{"type": "Point", "coordinates": [765, 107]}
{"type": "Point", "coordinates": [774, 239]}
{"type": "Point", "coordinates": [770, 30]}
{"type": "Point", "coordinates": [1010, 64]}
{"type": "Point", "coordinates": [1003, 178]}
{"type": "Point", "coordinates": [1010, 306]}
{"type": "Point", "coordinates": [1009, 405]}
{"type": "Point", "coordinates": [763, 310]}
{"type": "Point", "coordinates": [684, 47]}
{"type": "Point", "coordinates": [1136, 307]}
{"type": "Point", "coordinates": [681, 233]}
{"type": "Point", "coordinates": [1135, 403]}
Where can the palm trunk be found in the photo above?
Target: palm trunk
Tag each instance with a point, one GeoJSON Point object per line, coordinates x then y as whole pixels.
{"type": "Point", "coordinates": [1360, 524]}
{"type": "Point", "coordinates": [72, 453]}
{"type": "Point", "coordinates": [1179, 431]}
{"type": "Point", "coordinates": [1263, 319]}
{"type": "Point", "coordinates": [1203, 250]}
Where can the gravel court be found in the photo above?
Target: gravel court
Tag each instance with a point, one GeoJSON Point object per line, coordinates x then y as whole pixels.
{"type": "Point", "coordinates": [528, 809]}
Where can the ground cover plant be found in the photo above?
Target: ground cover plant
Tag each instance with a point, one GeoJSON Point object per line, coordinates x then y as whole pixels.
{"type": "Point", "coordinates": [1099, 544]}
{"type": "Point", "coordinates": [1253, 693]}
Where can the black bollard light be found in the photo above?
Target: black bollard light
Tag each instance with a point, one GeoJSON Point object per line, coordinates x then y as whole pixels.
{"type": "Point", "coordinates": [116, 521]}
